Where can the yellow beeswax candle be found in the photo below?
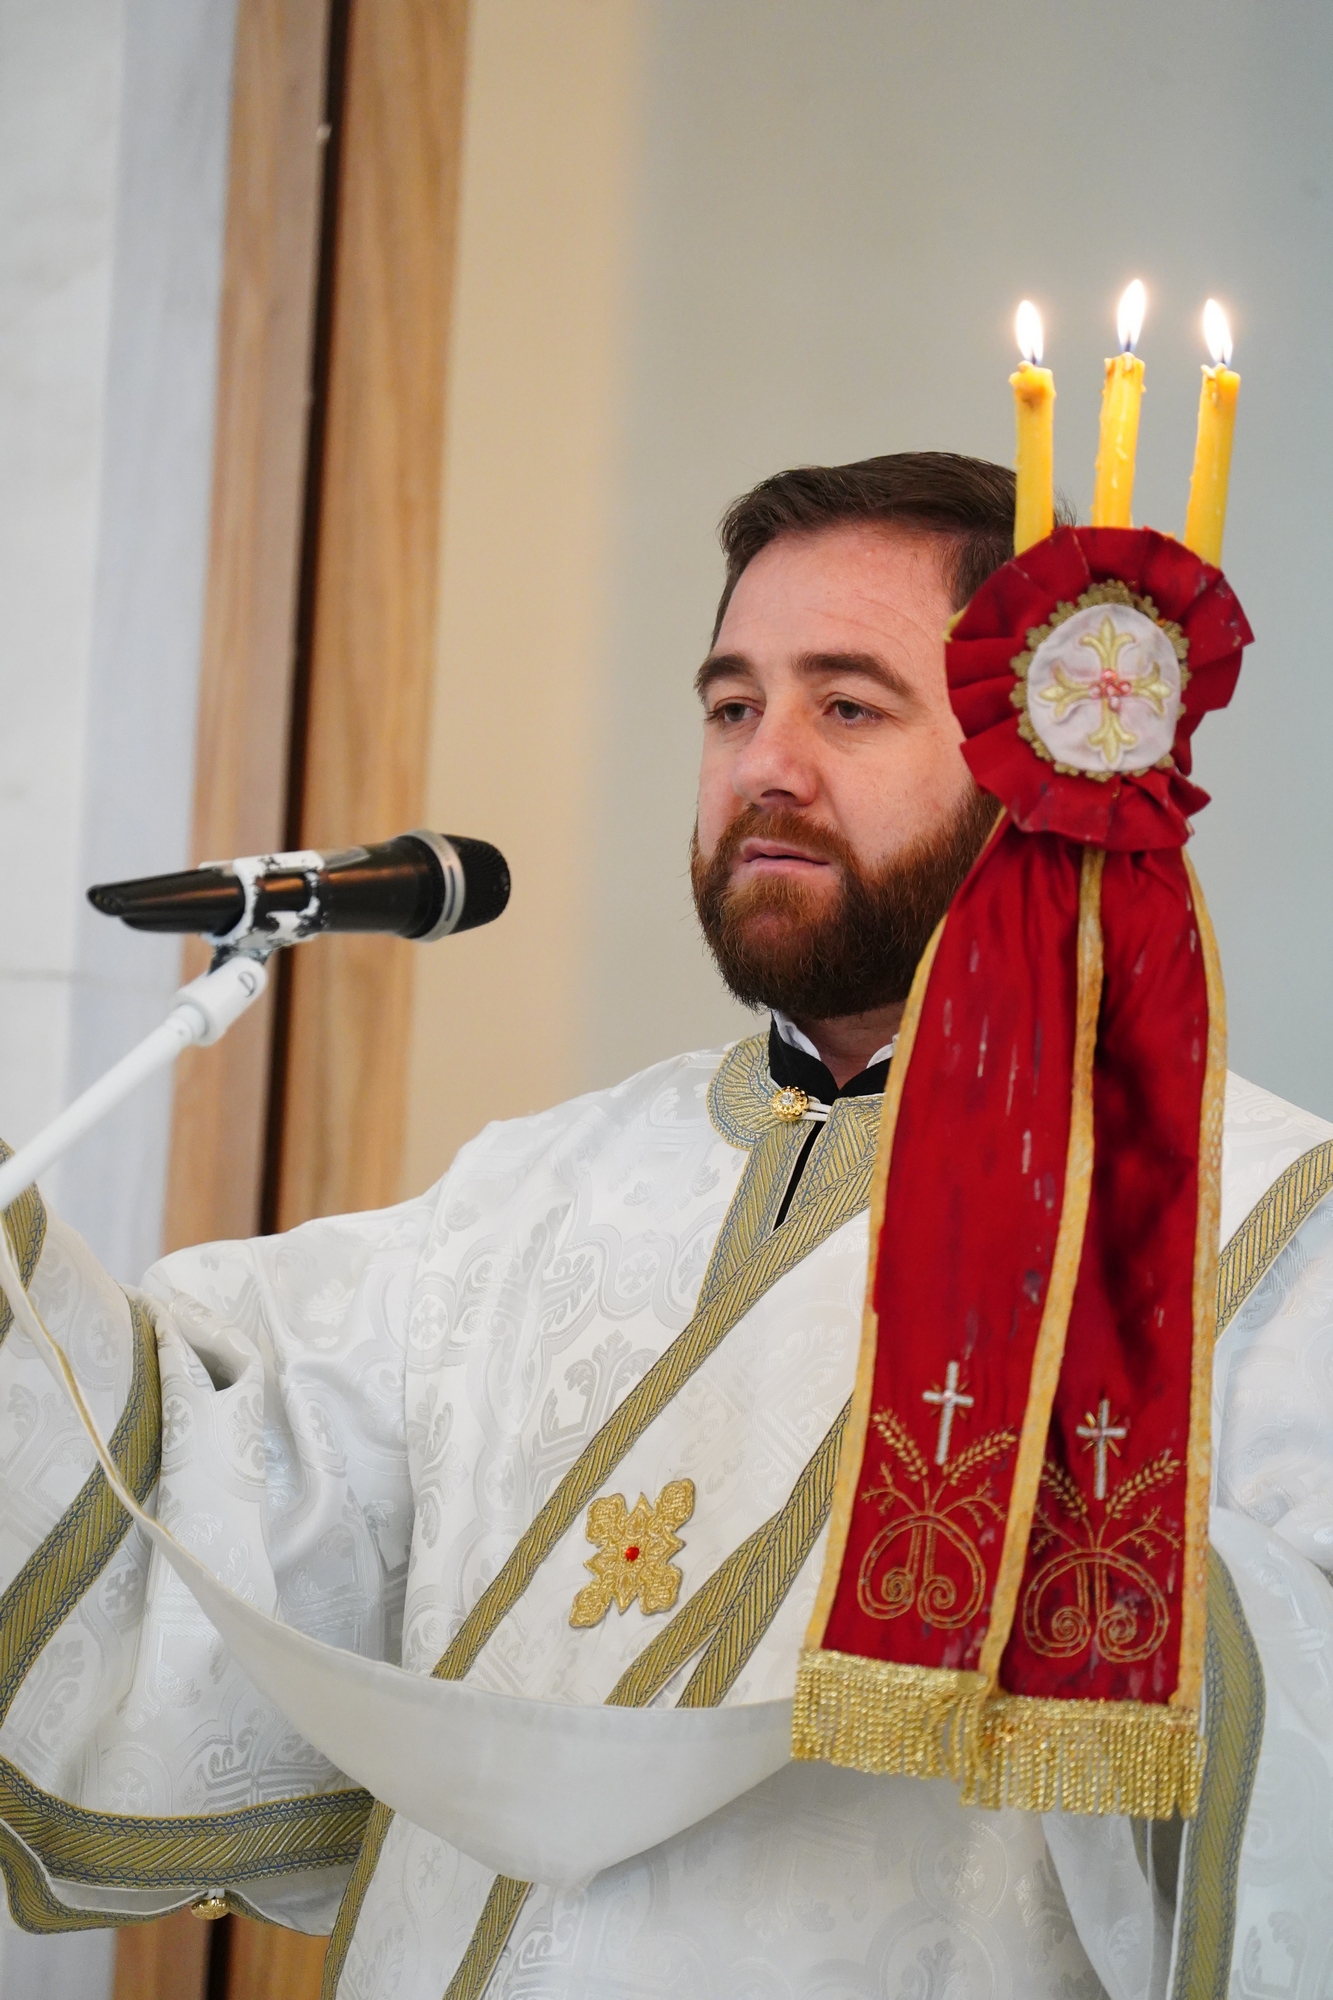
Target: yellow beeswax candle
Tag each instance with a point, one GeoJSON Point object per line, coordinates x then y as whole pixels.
{"type": "Point", "coordinates": [1034, 411]}
{"type": "Point", "coordinates": [1113, 487]}
{"type": "Point", "coordinates": [1206, 515]}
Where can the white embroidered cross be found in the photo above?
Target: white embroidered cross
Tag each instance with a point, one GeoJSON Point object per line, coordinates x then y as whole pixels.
{"type": "Point", "coordinates": [949, 1399]}
{"type": "Point", "coordinates": [1100, 1435]}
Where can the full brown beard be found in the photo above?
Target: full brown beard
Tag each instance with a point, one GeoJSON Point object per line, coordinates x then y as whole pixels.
{"type": "Point", "coordinates": [817, 957]}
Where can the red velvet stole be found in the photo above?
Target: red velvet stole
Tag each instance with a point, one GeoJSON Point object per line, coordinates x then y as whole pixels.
{"type": "Point", "coordinates": [1014, 1587]}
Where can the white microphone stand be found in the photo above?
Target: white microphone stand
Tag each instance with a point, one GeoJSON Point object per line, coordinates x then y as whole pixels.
{"type": "Point", "coordinates": [203, 1012]}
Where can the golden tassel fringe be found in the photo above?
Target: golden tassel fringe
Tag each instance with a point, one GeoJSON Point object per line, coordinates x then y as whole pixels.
{"type": "Point", "coordinates": [875, 1715]}
{"type": "Point", "coordinates": [1141, 1758]}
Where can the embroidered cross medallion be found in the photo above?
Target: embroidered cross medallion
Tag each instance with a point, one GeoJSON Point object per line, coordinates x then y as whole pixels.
{"type": "Point", "coordinates": [1100, 686]}
{"type": "Point", "coordinates": [1111, 686]}
{"type": "Point", "coordinates": [633, 1559]}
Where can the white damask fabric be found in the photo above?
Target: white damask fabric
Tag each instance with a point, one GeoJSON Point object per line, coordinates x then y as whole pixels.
{"type": "Point", "coordinates": [362, 1417]}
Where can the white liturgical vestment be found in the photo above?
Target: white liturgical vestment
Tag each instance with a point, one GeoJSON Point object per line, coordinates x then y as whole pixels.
{"type": "Point", "coordinates": [358, 1425]}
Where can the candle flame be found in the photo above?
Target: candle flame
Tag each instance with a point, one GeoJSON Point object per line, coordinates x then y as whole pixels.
{"type": "Point", "coordinates": [1027, 326]}
{"type": "Point", "coordinates": [1217, 333]}
{"type": "Point", "coordinates": [1129, 315]}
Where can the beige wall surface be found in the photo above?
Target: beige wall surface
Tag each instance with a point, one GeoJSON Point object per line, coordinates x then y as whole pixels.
{"type": "Point", "coordinates": [533, 428]}
{"type": "Point", "coordinates": [706, 238]}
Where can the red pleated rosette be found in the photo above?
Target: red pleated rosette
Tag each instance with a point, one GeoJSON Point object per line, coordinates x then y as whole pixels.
{"type": "Point", "coordinates": [1124, 811]}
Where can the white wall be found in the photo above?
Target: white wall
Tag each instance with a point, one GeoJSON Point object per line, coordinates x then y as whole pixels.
{"type": "Point", "coordinates": [113, 129]}
{"type": "Point", "coordinates": [113, 142]}
{"type": "Point", "coordinates": [836, 209]}
{"type": "Point", "coordinates": [60, 75]}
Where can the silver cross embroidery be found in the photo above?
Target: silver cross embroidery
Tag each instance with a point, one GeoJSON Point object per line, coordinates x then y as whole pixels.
{"type": "Point", "coordinates": [949, 1399]}
{"type": "Point", "coordinates": [1100, 1435]}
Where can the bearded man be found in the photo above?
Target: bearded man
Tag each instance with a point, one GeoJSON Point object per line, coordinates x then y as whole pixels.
{"type": "Point", "coordinates": [361, 1423]}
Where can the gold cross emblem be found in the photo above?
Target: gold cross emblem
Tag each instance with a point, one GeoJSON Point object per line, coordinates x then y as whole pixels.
{"type": "Point", "coordinates": [634, 1553]}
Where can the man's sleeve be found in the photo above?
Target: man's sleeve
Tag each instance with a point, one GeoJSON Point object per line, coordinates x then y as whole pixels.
{"type": "Point", "coordinates": [1273, 1527]}
{"type": "Point", "coordinates": [252, 1393]}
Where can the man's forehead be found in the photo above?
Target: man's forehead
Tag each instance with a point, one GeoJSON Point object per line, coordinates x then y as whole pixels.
{"type": "Point", "coordinates": [860, 589]}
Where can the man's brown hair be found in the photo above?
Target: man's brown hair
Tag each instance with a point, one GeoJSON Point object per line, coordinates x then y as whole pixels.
{"type": "Point", "coordinates": [967, 502]}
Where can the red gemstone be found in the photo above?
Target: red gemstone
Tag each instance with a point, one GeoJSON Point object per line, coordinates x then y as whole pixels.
{"type": "Point", "coordinates": [632, 1553]}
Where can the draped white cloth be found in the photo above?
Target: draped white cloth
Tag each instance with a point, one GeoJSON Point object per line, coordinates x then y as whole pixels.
{"type": "Point", "coordinates": [361, 1418]}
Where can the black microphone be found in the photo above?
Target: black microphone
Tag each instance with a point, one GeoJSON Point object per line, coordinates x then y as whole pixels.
{"type": "Point", "coordinates": [421, 885]}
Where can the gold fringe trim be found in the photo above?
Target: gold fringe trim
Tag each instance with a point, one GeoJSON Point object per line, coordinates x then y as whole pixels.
{"type": "Point", "coordinates": [1141, 1758]}
{"type": "Point", "coordinates": [878, 1716]}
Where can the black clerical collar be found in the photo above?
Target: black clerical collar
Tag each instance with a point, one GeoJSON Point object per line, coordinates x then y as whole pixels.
{"type": "Point", "coordinates": [793, 1068]}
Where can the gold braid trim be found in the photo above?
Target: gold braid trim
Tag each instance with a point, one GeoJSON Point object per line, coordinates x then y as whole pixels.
{"type": "Point", "coordinates": [1234, 1714]}
{"type": "Point", "coordinates": [32, 1903]}
{"type": "Point", "coordinates": [788, 1541]}
{"type": "Point", "coordinates": [883, 1717]}
{"type": "Point", "coordinates": [181, 1851]}
{"type": "Point", "coordinates": [25, 1224]}
{"type": "Point", "coordinates": [1198, 1466]}
{"type": "Point", "coordinates": [489, 1939]}
{"type": "Point", "coordinates": [740, 1096]}
{"type": "Point", "coordinates": [354, 1895]}
{"type": "Point", "coordinates": [68, 1561]}
{"type": "Point", "coordinates": [1269, 1227]}
{"type": "Point", "coordinates": [692, 1627]}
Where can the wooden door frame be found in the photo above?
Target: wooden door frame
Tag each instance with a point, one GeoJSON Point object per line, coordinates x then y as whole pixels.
{"type": "Point", "coordinates": [367, 659]}
{"type": "Point", "coordinates": [282, 173]}
{"type": "Point", "coordinates": [318, 654]}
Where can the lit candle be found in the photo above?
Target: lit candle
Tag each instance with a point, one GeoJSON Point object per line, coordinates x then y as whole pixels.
{"type": "Point", "coordinates": [1207, 512]}
{"type": "Point", "coordinates": [1113, 489]}
{"type": "Point", "coordinates": [1034, 409]}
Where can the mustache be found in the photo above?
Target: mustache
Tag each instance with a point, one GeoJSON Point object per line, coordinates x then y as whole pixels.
{"type": "Point", "coordinates": [822, 843]}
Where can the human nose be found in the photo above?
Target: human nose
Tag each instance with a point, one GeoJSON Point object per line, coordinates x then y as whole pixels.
{"type": "Point", "coordinates": [776, 768]}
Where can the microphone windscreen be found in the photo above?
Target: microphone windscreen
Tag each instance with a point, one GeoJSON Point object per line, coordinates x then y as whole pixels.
{"type": "Point", "coordinates": [487, 875]}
